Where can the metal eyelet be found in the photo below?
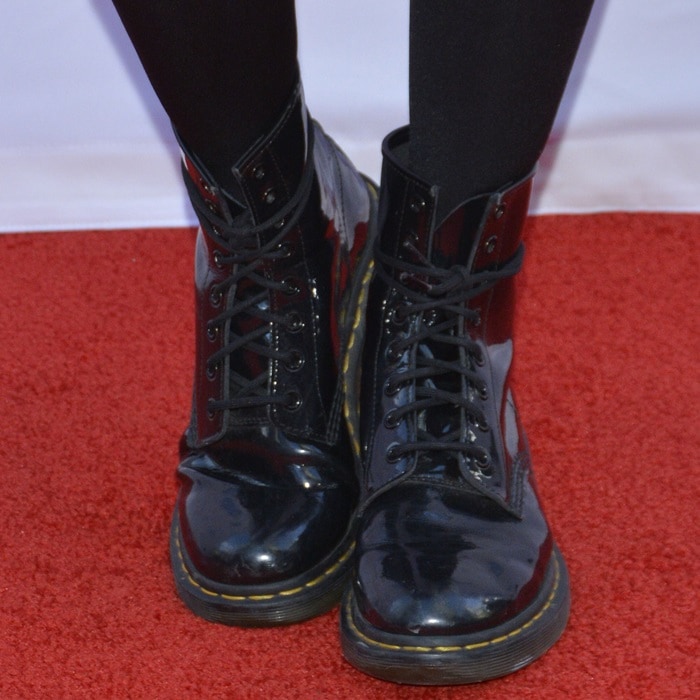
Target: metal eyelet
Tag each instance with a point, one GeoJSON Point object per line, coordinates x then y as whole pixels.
{"type": "Point", "coordinates": [212, 333]}
{"type": "Point", "coordinates": [417, 204]}
{"type": "Point", "coordinates": [490, 244]}
{"type": "Point", "coordinates": [499, 211]}
{"type": "Point", "coordinates": [290, 286]}
{"type": "Point", "coordinates": [212, 207]}
{"type": "Point", "coordinates": [269, 196]}
{"type": "Point", "coordinates": [218, 258]}
{"type": "Point", "coordinates": [280, 224]}
{"type": "Point", "coordinates": [286, 249]}
{"type": "Point", "coordinates": [392, 455]}
{"type": "Point", "coordinates": [215, 297]}
{"type": "Point", "coordinates": [391, 388]}
{"type": "Point", "coordinates": [484, 393]}
{"type": "Point", "coordinates": [293, 400]}
{"type": "Point", "coordinates": [294, 361]}
{"type": "Point", "coordinates": [205, 186]}
{"type": "Point", "coordinates": [259, 172]}
{"type": "Point", "coordinates": [396, 317]}
{"type": "Point", "coordinates": [483, 459]}
{"type": "Point", "coordinates": [392, 353]}
{"type": "Point", "coordinates": [294, 322]}
{"type": "Point", "coordinates": [211, 414]}
{"type": "Point", "coordinates": [212, 371]}
{"type": "Point", "coordinates": [411, 240]}
{"type": "Point", "coordinates": [391, 421]}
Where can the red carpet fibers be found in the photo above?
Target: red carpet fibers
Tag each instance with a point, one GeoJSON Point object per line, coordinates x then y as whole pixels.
{"type": "Point", "coordinates": [95, 360]}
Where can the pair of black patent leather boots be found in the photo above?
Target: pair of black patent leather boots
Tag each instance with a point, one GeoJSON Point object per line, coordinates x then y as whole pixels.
{"type": "Point", "coordinates": [353, 428]}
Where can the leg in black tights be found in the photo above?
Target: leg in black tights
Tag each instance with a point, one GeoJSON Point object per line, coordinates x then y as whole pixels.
{"type": "Point", "coordinates": [223, 69]}
{"type": "Point", "coordinates": [486, 79]}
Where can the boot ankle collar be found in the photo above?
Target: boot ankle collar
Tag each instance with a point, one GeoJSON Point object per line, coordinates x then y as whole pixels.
{"type": "Point", "coordinates": [480, 232]}
{"type": "Point", "coordinates": [267, 175]}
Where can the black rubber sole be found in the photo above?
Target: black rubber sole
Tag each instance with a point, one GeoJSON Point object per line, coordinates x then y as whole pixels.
{"type": "Point", "coordinates": [451, 660]}
{"type": "Point", "coordinates": [318, 590]}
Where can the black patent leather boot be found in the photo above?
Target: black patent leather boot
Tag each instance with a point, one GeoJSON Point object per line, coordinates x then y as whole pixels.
{"type": "Point", "coordinates": [457, 577]}
{"type": "Point", "coordinates": [261, 533]}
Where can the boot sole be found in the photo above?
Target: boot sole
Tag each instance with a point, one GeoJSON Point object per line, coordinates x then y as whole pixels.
{"type": "Point", "coordinates": [315, 591]}
{"type": "Point", "coordinates": [472, 658]}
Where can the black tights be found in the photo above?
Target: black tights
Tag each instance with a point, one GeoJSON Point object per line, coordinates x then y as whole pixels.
{"type": "Point", "coordinates": [222, 69]}
{"type": "Point", "coordinates": [486, 79]}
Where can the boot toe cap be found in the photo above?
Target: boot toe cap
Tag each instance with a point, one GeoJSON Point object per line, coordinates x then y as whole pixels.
{"type": "Point", "coordinates": [432, 564]}
{"type": "Point", "coordinates": [245, 531]}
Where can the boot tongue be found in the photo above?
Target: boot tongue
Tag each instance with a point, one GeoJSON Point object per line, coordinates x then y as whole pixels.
{"type": "Point", "coordinates": [448, 245]}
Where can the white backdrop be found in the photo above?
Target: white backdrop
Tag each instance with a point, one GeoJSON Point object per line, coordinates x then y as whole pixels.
{"type": "Point", "coordinates": [84, 143]}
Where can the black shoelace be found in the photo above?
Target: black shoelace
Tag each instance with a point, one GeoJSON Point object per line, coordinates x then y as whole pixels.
{"type": "Point", "coordinates": [435, 307]}
{"type": "Point", "coordinates": [245, 254]}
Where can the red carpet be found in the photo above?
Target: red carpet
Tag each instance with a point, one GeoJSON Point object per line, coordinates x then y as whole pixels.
{"type": "Point", "coordinates": [95, 360]}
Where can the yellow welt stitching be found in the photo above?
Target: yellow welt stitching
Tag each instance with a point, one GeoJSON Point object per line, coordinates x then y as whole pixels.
{"type": "Point", "coordinates": [292, 591]}
{"type": "Point", "coordinates": [465, 647]}
{"type": "Point", "coordinates": [357, 321]}
{"type": "Point", "coordinates": [194, 583]}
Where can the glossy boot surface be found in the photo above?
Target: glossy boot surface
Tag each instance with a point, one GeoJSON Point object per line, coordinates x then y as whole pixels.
{"type": "Point", "coordinates": [457, 577]}
{"type": "Point", "coordinates": [261, 532]}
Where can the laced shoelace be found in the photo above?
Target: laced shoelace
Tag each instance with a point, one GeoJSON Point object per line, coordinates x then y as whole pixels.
{"type": "Point", "coordinates": [245, 255]}
{"type": "Point", "coordinates": [436, 299]}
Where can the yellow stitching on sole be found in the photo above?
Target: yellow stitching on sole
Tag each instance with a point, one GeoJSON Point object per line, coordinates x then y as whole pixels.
{"type": "Point", "coordinates": [256, 598]}
{"type": "Point", "coordinates": [292, 591]}
{"type": "Point", "coordinates": [465, 647]}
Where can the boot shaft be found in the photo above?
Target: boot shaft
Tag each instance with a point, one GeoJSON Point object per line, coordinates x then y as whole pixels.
{"type": "Point", "coordinates": [271, 278]}
{"type": "Point", "coordinates": [440, 374]}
